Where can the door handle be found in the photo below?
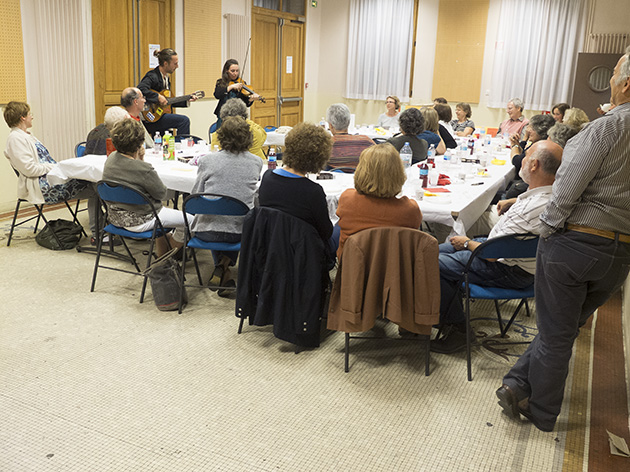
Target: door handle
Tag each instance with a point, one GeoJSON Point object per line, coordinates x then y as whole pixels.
{"type": "Point", "coordinates": [281, 100]}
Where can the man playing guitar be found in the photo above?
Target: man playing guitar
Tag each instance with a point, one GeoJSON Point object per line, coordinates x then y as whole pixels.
{"type": "Point", "coordinates": [158, 80]}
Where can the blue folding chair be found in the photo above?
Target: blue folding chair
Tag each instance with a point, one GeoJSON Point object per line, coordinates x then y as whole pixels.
{"type": "Point", "coordinates": [112, 193]}
{"type": "Point", "coordinates": [508, 246]}
{"type": "Point", "coordinates": [79, 149]}
{"type": "Point", "coordinates": [208, 204]}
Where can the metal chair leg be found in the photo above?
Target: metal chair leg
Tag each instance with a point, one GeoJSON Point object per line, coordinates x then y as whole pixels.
{"type": "Point", "coordinates": [347, 353]}
{"type": "Point", "coordinates": [17, 209]}
{"type": "Point", "coordinates": [427, 347]}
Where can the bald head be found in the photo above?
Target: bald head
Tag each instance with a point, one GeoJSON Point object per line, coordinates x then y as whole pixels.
{"type": "Point", "coordinates": [541, 162]}
{"type": "Point", "coordinates": [132, 100]}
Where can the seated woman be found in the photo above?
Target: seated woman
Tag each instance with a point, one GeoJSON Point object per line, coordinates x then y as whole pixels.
{"type": "Point", "coordinates": [234, 172]}
{"type": "Point", "coordinates": [444, 124]}
{"type": "Point", "coordinates": [390, 118]}
{"type": "Point", "coordinates": [431, 130]}
{"type": "Point", "coordinates": [236, 107]}
{"type": "Point", "coordinates": [411, 124]}
{"type": "Point", "coordinates": [372, 202]}
{"type": "Point", "coordinates": [575, 117]}
{"type": "Point", "coordinates": [32, 160]}
{"type": "Point", "coordinates": [307, 150]}
{"type": "Point", "coordinates": [126, 166]}
{"type": "Point", "coordinates": [558, 111]}
{"type": "Point", "coordinates": [463, 125]}
{"type": "Point", "coordinates": [96, 142]}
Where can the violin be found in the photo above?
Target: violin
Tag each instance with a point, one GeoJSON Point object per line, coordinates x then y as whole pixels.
{"type": "Point", "coordinates": [245, 90]}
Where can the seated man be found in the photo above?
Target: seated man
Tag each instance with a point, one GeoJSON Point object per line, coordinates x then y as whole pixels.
{"type": "Point", "coordinates": [538, 170]}
{"type": "Point", "coordinates": [516, 122]}
{"type": "Point", "coordinates": [133, 101]}
{"type": "Point", "coordinates": [346, 147]}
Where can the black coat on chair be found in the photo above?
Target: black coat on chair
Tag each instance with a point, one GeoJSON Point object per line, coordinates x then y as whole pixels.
{"type": "Point", "coordinates": [282, 276]}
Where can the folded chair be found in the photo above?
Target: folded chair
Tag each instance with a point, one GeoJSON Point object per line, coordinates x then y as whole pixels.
{"type": "Point", "coordinates": [111, 193]}
{"type": "Point", "coordinates": [391, 272]}
{"type": "Point", "coordinates": [40, 215]}
{"type": "Point", "coordinates": [509, 246]}
{"type": "Point", "coordinates": [208, 204]}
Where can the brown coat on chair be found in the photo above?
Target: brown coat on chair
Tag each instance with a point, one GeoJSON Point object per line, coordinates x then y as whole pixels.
{"type": "Point", "coordinates": [391, 271]}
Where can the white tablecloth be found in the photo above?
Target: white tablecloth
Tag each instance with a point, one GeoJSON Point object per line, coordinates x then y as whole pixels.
{"type": "Point", "coordinates": [458, 209]}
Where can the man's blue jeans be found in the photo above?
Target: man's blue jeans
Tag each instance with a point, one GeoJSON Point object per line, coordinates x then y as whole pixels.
{"type": "Point", "coordinates": [483, 272]}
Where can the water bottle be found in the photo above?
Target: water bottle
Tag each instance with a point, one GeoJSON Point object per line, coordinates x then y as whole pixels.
{"type": "Point", "coordinates": [165, 145]}
{"type": "Point", "coordinates": [431, 156]}
{"type": "Point", "coordinates": [323, 123]}
{"type": "Point", "coordinates": [471, 145]}
{"type": "Point", "coordinates": [272, 163]}
{"type": "Point", "coordinates": [171, 148]}
{"type": "Point", "coordinates": [488, 140]}
{"type": "Point", "coordinates": [405, 155]}
{"type": "Point", "coordinates": [424, 174]}
{"type": "Point", "coordinates": [157, 140]}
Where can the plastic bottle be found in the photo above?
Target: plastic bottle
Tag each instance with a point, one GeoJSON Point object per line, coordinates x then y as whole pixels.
{"type": "Point", "coordinates": [171, 148]}
{"type": "Point", "coordinates": [431, 156]}
{"type": "Point", "coordinates": [157, 140]}
{"type": "Point", "coordinates": [424, 174]}
{"type": "Point", "coordinates": [471, 145]}
{"type": "Point", "coordinates": [488, 140]}
{"type": "Point", "coordinates": [165, 145]}
{"type": "Point", "coordinates": [323, 123]}
{"type": "Point", "coordinates": [405, 155]}
{"type": "Point", "coordinates": [272, 163]}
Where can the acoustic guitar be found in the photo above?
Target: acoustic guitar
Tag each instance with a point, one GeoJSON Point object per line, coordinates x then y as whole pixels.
{"type": "Point", "coordinates": [155, 111]}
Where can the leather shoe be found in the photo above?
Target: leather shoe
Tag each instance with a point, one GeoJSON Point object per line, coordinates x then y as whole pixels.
{"type": "Point", "coordinates": [508, 401]}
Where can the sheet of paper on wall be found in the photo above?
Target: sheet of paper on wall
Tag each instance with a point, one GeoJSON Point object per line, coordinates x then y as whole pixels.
{"type": "Point", "coordinates": [153, 61]}
{"type": "Point", "coordinates": [618, 445]}
{"type": "Point", "coordinates": [289, 64]}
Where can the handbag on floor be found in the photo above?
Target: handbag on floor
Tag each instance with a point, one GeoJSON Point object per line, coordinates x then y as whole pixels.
{"type": "Point", "coordinates": [68, 234]}
{"type": "Point", "coordinates": [165, 285]}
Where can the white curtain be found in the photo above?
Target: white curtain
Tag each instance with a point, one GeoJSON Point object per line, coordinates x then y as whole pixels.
{"type": "Point", "coordinates": [536, 52]}
{"type": "Point", "coordinates": [379, 49]}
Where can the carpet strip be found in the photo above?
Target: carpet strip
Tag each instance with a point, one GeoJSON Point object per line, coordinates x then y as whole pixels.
{"type": "Point", "coordinates": [609, 406]}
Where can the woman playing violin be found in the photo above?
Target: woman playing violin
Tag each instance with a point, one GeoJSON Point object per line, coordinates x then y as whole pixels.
{"type": "Point", "coordinates": [230, 85]}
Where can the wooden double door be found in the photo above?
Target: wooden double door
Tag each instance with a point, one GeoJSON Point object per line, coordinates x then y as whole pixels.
{"type": "Point", "coordinates": [122, 31]}
{"type": "Point", "coordinates": [277, 67]}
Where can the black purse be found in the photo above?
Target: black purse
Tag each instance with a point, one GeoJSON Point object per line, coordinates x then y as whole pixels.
{"type": "Point", "coordinates": [68, 234]}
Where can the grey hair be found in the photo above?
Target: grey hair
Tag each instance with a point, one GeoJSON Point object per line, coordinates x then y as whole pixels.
{"type": "Point", "coordinates": [518, 103]}
{"type": "Point", "coordinates": [561, 133]}
{"type": "Point", "coordinates": [548, 162]}
{"type": "Point", "coordinates": [126, 99]}
{"type": "Point", "coordinates": [338, 115]}
{"type": "Point", "coordinates": [541, 124]}
{"type": "Point", "coordinates": [234, 107]}
{"type": "Point", "coordinates": [113, 115]}
{"type": "Point", "coordinates": [624, 70]}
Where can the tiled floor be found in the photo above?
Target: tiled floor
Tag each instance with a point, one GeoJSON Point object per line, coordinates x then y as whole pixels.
{"type": "Point", "coordinates": [97, 381]}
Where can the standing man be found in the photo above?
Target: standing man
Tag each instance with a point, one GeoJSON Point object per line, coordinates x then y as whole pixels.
{"type": "Point", "coordinates": [157, 80]}
{"type": "Point", "coordinates": [583, 255]}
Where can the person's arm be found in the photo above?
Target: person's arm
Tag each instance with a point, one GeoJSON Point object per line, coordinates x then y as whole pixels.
{"type": "Point", "coordinates": [320, 214]}
{"type": "Point", "coordinates": [148, 87]}
{"type": "Point", "coordinates": [459, 243]}
{"type": "Point", "coordinates": [220, 90]}
{"type": "Point", "coordinates": [504, 205]}
{"type": "Point", "coordinates": [22, 154]}
{"type": "Point", "coordinates": [441, 147]}
{"type": "Point", "coordinates": [468, 131]}
{"type": "Point", "coordinates": [153, 185]}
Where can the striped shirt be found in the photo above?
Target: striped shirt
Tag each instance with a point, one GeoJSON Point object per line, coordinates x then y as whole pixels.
{"type": "Point", "coordinates": [592, 186]}
{"type": "Point", "coordinates": [346, 150]}
{"type": "Point", "coordinates": [523, 217]}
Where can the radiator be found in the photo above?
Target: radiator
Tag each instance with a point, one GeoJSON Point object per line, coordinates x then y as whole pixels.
{"type": "Point", "coordinates": [237, 29]}
{"type": "Point", "coordinates": [607, 43]}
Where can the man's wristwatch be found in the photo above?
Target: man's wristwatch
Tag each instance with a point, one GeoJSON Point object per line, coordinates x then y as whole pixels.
{"type": "Point", "coordinates": [466, 244]}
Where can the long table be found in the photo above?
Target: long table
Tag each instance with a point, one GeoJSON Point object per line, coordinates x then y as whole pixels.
{"type": "Point", "coordinates": [458, 209]}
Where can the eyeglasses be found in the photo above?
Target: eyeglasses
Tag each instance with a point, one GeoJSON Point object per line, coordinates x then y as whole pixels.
{"type": "Point", "coordinates": [390, 101]}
